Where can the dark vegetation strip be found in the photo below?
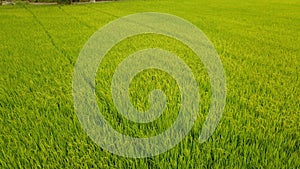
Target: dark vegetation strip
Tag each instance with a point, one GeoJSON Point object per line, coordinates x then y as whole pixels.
{"type": "Point", "coordinates": [130, 20]}
{"type": "Point", "coordinates": [107, 13]}
{"type": "Point", "coordinates": [50, 36]}
{"type": "Point", "coordinates": [77, 19]}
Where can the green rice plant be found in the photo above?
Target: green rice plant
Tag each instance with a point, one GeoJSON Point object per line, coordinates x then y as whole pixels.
{"type": "Point", "coordinates": [258, 43]}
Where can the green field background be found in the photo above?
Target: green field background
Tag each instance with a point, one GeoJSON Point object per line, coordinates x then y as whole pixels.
{"type": "Point", "coordinates": [258, 43]}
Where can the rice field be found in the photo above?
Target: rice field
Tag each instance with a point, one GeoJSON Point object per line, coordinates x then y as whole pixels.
{"type": "Point", "coordinates": [258, 43]}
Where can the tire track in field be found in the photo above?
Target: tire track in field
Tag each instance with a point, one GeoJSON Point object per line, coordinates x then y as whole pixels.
{"type": "Point", "coordinates": [50, 37]}
{"type": "Point", "coordinates": [107, 13]}
{"type": "Point", "coordinates": [129, 20]}
{"type": "Point", "coordinates": [77, 19]}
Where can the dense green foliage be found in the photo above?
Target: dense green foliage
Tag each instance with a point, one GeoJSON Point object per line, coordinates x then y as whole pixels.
{"type": "Point", "coordinates": [258, 43]}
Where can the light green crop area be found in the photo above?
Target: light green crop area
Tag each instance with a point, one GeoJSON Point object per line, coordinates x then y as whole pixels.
{"type": "Point", "coordinates": [258, 43]}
